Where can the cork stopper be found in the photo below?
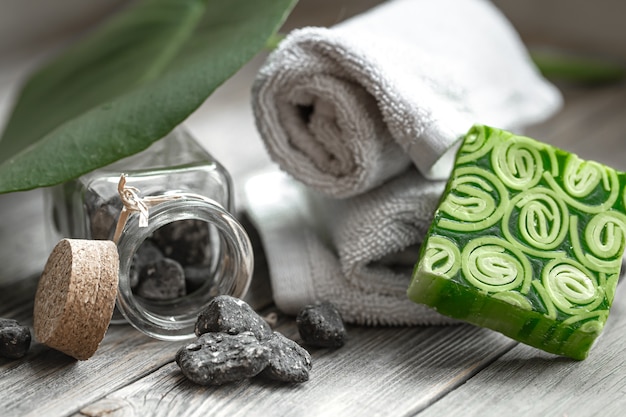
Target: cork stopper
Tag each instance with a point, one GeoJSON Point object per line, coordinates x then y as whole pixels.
{"type": "Point", "coordinates": [76, 296]}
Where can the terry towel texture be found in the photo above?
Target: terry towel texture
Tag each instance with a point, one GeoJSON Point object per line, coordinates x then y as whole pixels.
{"type": "Point", "coordinates": [361, 115]}
{"type": "Point", "coordinates": [357, 253]}
{"type": "Point", "coordinates": [343, 109]}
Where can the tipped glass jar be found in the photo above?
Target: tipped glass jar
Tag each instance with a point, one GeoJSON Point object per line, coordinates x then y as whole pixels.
{"type": "Point", "coordinates": [190, 249]}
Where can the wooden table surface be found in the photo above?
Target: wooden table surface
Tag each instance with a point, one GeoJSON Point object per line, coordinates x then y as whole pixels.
{"type": "Point", "coordinates": [425, 371]}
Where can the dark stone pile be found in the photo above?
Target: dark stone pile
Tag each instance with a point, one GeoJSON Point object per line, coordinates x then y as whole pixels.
{"type": "Point", "coordinates": [235, 343]}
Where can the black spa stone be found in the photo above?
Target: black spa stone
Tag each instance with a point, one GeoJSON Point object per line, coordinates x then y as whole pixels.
{"type": "Point", "coordinates": [321, 325]}
{"type": "Point", "coordinates": [288, 362]}
{"type": "Point", "coordinates": [231, 315]}
{"type": "Point", "coordinates": [196, 277]}
{"type": "Point", "coordinates": [103, 215]}
{"type": "Point", "coordinates": [220, 358]}
{"type": "Point", "coordinates": [14, 339]}
{"type": "Point", "coordinates": [163, 279]}
{"type": "Point", "coordinates": [147, 253]}
{"type": "Point", "coordinates": [185, 241]}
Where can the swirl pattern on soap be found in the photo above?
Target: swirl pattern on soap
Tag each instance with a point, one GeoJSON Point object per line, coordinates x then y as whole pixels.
{"type": "Point", "coordinates": [585, 185]}
{"type": "Point", "coordinates": [535, 226]}
{"type": "Point", "coordinates": [540, 220]}
{"type": "Point", "coordinates": [442, 256]}
{"type": "Point", "coordinates": [494, 265]}
{"type": "Point", "coordinates": [518, 163]}
{"type": "Point", "coordinates": [605, 235]}
{"type": "Point", "coordinates": [571, 286]}
{"type": "Point", "coordinates": [477, 200]}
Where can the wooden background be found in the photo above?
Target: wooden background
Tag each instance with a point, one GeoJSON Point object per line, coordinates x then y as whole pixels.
{"type": "Point", "coordinates": [426, 371]}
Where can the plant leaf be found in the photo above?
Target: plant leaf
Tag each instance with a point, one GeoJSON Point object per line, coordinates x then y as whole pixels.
{"type": "Point", "coordinates": [577, 68]}
{"type": "Point", "coordinates": [127, 84]}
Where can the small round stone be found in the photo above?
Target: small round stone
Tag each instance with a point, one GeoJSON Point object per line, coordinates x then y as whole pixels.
{"type": "Point", "coordinates": [147, 253]}
{"type": "Point", "coordinates": [220, 358]}
{"type": "Point", "coordinates": [289, 362]}
{"type": "Point", "coordinates": [14, 339]}
{"type": "Point", "coordinates": [188, 241]}
{"type": "Point", "coordinates": [231, 315]}
{"type": "Point", "coordinates": [196, 277]}
{"type": "Point", "coordinates": [163, 279]}
{"type": "Point", "coordinates": [321, 325]}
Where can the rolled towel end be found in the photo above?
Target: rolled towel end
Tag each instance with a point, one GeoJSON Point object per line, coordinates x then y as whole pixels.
{"type": "Point", "coordinates": [321, 128]}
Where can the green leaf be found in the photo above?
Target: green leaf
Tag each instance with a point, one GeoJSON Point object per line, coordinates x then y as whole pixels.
{"type": "Point", "coordinates": [575, 68]}
{"type": "Point", "coordinates": [127, 84]}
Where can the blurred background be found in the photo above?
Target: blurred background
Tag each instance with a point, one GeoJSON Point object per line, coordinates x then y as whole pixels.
{"type": "Point", "coordinates": [578, 24]}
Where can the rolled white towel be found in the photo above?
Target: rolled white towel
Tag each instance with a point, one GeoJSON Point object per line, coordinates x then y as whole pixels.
{"type": "Point", "coordinates": [343, 109]}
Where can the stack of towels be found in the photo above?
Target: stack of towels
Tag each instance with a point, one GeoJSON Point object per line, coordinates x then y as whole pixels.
{"type": "Point", "coordinates": [363, 119]}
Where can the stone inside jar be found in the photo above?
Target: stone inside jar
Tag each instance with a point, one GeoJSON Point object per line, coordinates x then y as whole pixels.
{"type": "Point", "coordinates": [175, 261]}
{"type": "Point", "coordinates": [102, 215]}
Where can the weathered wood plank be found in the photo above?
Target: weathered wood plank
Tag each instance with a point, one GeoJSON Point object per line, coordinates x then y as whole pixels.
{"type": "Point", "coordinates": [47, 382]}
{"type": "Point", "coordinates": [529, 382]}
{"type": "Point", "coordinates": [412, 367]}
{"type": "Point", "coordinates": [378, 369]}
{"type": "Point", "coordinates": [16, 298]}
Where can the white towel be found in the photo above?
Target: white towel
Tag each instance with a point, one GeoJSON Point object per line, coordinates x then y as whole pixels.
{"type": "Point", "coordinates": [343, 109]}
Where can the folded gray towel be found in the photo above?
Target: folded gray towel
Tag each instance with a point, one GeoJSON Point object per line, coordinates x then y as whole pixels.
{"type": "Point", "coordinates": [378, 236]}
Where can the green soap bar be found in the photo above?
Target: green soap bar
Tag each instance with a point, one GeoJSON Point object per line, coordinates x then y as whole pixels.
{"type": "Point", "coordinates": [528, 240]}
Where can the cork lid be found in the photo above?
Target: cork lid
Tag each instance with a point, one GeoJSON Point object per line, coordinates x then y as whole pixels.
{"type": "Point", "coordinates": [76, 296]}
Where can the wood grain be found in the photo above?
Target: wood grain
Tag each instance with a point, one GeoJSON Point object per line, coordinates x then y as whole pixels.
{"type": "Point", "coordinates": [529, 382]}
{"type": "Point", "coordinates": [403, 368]}
{"type": "Point", "coordinates": [49, 383]}
{"type": "Point", "coordinates": [132, 374]}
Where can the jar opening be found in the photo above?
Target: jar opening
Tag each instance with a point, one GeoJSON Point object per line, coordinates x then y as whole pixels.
{"type": "Point", "coordinates": [191, 251]}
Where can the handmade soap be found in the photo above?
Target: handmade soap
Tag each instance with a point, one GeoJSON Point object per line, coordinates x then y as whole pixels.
{"type": "Point", "coordinates": [527, 240]}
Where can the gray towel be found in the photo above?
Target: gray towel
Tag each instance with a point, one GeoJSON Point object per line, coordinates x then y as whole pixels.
{"type": "Point", "coordinates": [357, 253]}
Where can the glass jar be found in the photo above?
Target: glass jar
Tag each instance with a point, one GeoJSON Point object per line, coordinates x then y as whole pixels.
{"type": "Point", "coordinates": [191, 249]}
